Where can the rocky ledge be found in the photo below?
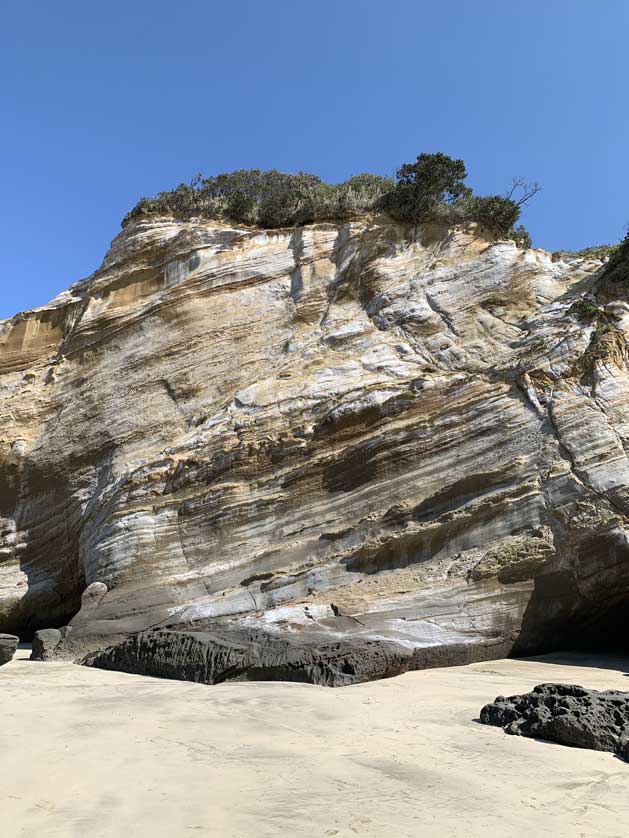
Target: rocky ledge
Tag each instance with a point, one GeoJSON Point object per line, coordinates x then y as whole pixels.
{"type": "Point", "coordinates": [567, 714]}
{"type": "Point", "coordinates": [212, 657]}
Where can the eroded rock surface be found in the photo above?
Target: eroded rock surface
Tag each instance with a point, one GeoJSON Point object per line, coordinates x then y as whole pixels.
{"type": "Point", "coordinates": [239, 655]}
{"type": "Point", "coordinates": [362, 433]}
{"type": "Point", "coordinates": [8, 645]}
{"type": "Point", "coordinates": [45, 643]}
{"type": "Point", "coordinates": [567, 714]}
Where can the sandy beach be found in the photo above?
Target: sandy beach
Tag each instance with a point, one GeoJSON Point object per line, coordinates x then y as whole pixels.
{"type": "Point", "coordinates": [101, 754]}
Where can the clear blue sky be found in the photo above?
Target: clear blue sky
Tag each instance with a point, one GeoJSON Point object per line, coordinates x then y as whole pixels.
{"type": "Point", "coordinates": [101, 103]}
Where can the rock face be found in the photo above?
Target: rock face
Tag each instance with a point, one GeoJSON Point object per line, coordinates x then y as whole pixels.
{"type": "Point", "coordinates": [212, 658]}
{"type": "Point", "coordinates": [359, 433]}
{"type": "Point", "coordinates": [45, 643]}
{"type": "Point", "coordinates": [567, 714]}
{"type": "Point", "coordinates": [8, 645]}
{"type": "Point", "coordinates": [246, 655]}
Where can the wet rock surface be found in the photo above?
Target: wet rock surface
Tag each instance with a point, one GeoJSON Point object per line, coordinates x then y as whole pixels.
{"type": "Point", "coordinates": [8, 645]}
{"type": "Point", "coordinates": [566, 714]}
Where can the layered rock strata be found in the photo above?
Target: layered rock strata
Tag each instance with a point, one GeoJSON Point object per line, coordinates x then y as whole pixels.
{"type": "Point", "coordinates": [567, 714]}
{"type": "Point", "coordinates": [357, 433]}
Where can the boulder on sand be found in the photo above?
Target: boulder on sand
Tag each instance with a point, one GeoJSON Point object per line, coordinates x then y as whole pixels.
{"type": "Point", "coordinates": [45, 642]}
{"type": "Point", "coordinates": [567, 714]}
{"type": "Point", "coordinates": [8, 645]}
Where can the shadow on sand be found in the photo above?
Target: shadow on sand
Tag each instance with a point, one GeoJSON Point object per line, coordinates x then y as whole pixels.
{"type": "Point", "coordinates": [595, 659]}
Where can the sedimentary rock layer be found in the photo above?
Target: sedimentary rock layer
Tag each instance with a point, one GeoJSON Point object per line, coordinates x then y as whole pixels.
{"type": "Point", "coordinates": [362, 433]}
{"type": "Point", "coordinates": [567, 714]}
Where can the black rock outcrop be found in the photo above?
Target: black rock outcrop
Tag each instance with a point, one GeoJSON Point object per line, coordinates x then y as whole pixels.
{"type": "Point", "coordinates": [217, 655]}
{"type": "Point", "coordinates": [211, 658]}
{"type": "Point", "coordinates": [567, 714]}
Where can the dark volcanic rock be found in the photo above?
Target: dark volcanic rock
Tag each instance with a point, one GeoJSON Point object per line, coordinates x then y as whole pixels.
{"type": "Point", "coordinates": [211, 657]}
{"type": "Point", "coordinates": [567, 714]}
{"type": "Point", "coordinates": [8, 645]}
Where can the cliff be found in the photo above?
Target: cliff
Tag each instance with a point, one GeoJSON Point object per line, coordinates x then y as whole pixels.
{"type": "Point", "coordinates": [362, 433]}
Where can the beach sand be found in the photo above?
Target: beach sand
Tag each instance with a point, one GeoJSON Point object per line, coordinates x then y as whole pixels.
{"type": "Point", "coordinates": [89, 753]}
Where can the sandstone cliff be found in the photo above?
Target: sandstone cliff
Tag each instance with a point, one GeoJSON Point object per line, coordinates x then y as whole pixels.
{"type": "Point", "coordinates": [364, 433]}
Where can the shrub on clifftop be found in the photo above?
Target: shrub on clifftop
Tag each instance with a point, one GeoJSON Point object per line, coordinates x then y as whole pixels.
{"type": "Point", "coordinates": [267, 199]}
{"type": "Point", "coordinates": [617, 269]}
{"type": "Point", "coordinates": [431, 189]}
{"type": "Point", "coordinates": [422, 188]}
{"type": "Point", "coordinates": [521, 236]}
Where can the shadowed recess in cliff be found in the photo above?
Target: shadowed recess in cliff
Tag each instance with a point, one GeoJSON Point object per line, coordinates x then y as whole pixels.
{"type": "Point", "coordinates": [583, 611]}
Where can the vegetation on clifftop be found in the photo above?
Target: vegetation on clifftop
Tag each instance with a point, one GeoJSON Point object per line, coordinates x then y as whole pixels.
{"type": "Point", "coordinates": [430, 189]}
{"type": "Point", "coordinates": [617, 269]}
{"type": "Point", "coordinates": [597, 251]}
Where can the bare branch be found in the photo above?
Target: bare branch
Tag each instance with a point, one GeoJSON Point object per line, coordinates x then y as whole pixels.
{"type": "Point", "coordinates": [516, 184]}
{"type": "Point", "coordinates": [527, 188]}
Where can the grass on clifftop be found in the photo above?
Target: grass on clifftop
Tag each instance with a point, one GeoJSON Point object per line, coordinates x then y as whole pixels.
{"type": "Point", "coordinates": [430, 189]}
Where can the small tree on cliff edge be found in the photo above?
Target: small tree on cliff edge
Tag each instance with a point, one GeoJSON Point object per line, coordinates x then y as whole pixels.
{"type": "Point", "coordinates": [430, 182]}
{"type": "Point", "coordinates": [433, 189]}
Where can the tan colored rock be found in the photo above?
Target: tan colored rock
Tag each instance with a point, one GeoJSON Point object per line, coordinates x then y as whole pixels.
{"type": "Point", "coordinates": [339, 430]}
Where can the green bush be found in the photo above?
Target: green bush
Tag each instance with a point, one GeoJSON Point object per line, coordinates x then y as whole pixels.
{"type": "Point", "coordinates": [430, 189]}
{"type": "Point", "coordinates": [521, 236]}
{"type": "Point", "coordinates": [421, 188]}
{"type": "Point", "coordinates": [617, 269]}
{"type": "Point", "coordinates": [433, 189]}
{"type": "Point", "coordinates": [267, 199]}
{"type": "Point", "coordinates": [589, 311]}
{"type": "Point", "coordinates": [361, 193]}
{"type": "Point", "coordinates": [494, 213]}
{"type": "Point", "coordinates": [598, 251]}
